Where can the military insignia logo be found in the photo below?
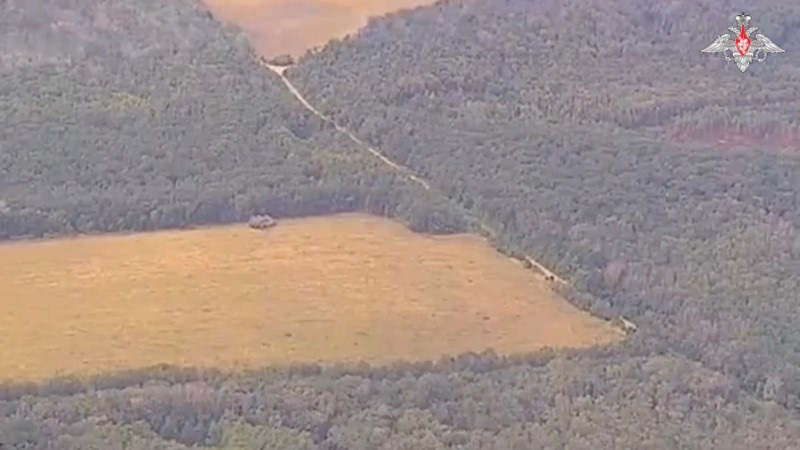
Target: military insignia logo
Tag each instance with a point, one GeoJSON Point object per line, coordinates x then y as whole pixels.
{"type": "Point", "coordinates": [742, 50]}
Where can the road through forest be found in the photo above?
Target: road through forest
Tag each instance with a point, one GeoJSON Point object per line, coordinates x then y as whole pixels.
{"type": "Point", "coordinates": [405, 171]}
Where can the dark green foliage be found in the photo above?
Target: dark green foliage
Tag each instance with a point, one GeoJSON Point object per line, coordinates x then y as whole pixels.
{"type": "Point", "coordinates": [436, 217]}
{"type": "Point", "coordinates": [554, 123]}
{"type": "Point", "coordinates": [120, 115]}
{"type": "Point", "coordinates": [541, 60]}
{"type": "Point", "coordinates": [583, 401]}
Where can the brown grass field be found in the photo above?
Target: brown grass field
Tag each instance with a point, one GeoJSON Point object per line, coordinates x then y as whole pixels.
{"type": "Point", "coordinates": [341, 288]}
{"type": "Point", "coordinates": [294, 26]}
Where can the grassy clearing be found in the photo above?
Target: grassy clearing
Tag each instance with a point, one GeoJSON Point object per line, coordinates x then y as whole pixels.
{"type": "Point", "coordinates": [348, 287]}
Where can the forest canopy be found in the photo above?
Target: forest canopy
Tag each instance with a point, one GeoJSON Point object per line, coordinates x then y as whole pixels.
{"type": "Point", "coordinates": [558, 123]}
{"type": "Point", "coordinates": [561, 124]}
{"type": "Point", "coordinates": [142, 115]}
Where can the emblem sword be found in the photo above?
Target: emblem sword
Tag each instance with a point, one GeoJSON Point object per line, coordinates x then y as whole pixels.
{"type": "Point", "coordinates": [743, 50]}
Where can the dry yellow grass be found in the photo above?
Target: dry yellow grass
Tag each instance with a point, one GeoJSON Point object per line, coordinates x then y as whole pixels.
{"type": "Point", "coordinates": [294, 26]}
{"type": "Point", "coordinates": [348, 287]}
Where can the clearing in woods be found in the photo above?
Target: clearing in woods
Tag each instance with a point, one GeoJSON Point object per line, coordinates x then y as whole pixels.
{"type": "Point", "coordinates": [339, 288]}
{"type": "Point", "coordinates": [294, 26]}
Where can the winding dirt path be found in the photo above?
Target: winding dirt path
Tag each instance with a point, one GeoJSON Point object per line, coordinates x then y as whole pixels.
{"type": "Point", "coordinates": [408, 173]}
{"type": "Point", "coordinates": [395, 166]}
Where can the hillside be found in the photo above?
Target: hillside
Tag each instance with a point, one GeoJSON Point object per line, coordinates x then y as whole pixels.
{"type": "Point", "coordinates": [611, 183]}
{"type": "Point", "coordinates": [132, 116]}
{"type": "Point", "coordinates": [550, 61]}
{"type": "Point", "coordinates": [574, 162]}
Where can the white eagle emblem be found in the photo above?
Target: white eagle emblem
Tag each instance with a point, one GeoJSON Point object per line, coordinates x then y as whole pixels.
{"type": "Point", "coordinates": [743, 50]}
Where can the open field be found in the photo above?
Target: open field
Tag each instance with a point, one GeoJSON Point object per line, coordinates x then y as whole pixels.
{"type": "Point", "coordinates": [347, 287]}
{"type": "Point", "coordinates": [294, 26]}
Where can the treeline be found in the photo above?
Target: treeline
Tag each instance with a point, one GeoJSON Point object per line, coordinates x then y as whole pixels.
{"type": "Point", "coordinates": [578, 401]}
{"type": "Point", "coordinates": [137, 115]}
{"type": "Point", "coordinates": [542, 118]}
{"type": "Point", "coordinates": [144, 115]}
{"type": "Point", "coordinates": [763, 123]}
{"type": "Point", "coordinates": [554, 60]}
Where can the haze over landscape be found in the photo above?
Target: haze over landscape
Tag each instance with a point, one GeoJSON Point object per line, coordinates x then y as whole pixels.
{"type": "Point", "coordinates": [292, 27]}
{"type": "Point", "coordinates": [456, 187]}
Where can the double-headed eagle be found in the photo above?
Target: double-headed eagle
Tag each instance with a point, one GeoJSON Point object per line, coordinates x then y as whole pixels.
{"type": "Point", "coordinates": [742, 49]}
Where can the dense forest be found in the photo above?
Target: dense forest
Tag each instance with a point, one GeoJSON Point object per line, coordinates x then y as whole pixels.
{"type": "Point", "coordinates": [587, 401]}
{"type": "Point", "coordinates": [562, 61]}
{"type": "Point", "coordinates": [573, 159]}
{"type": "Point", "coordinates": [570, 127]}
{"type": "Point", "coordinates": [141, 115]}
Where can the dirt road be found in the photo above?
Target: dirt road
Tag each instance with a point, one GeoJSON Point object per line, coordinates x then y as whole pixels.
{"type": "Point", "coordinates": [281, 71]}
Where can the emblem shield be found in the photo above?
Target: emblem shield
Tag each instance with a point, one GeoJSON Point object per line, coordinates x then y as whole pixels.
{"type": "Point", "coordinates": [743, 49]}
